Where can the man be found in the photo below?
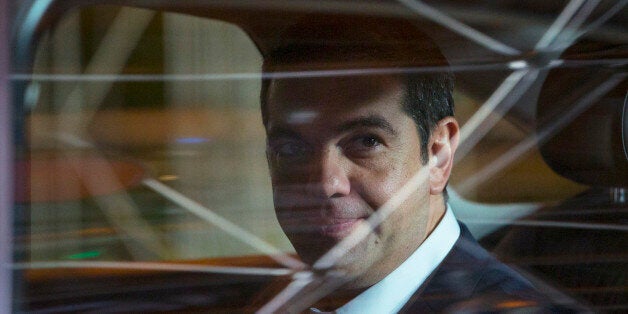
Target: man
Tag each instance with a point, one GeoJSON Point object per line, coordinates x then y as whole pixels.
{"type": "Point", "coordinates": [344, 140]}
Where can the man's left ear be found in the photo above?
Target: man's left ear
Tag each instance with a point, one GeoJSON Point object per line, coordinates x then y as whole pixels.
{"type": "Point", "coordinates": [442, 147]}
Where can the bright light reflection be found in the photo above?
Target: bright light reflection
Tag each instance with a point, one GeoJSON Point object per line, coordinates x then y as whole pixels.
{"type": "Point", "coordinates": [517, 65]}
{"type": "Point", "coordinates": [302, 117]}
{"type": "Point", "coordinates": [192, 140]}
{"type": "Point", "coordinates": [168, 177]}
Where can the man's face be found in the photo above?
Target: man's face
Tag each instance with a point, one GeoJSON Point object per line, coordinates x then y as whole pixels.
{"type": "Point", "coordinates": [338, 149]}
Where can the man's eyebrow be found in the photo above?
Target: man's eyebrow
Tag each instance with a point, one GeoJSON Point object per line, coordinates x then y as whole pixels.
{"type": "Point", "coordinates": [371, 121]}
{"type": "Point", "coordinates": [281, 131]}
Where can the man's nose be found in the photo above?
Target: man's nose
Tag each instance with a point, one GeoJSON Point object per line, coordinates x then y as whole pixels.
{"type": "Point", "coordinates": [333, 175]}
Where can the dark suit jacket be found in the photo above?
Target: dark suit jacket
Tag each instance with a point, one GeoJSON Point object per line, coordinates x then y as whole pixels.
{"type": "Point", "coordinates": [471, 280]}
{"type": "Point", "coordinates": [468, 280]}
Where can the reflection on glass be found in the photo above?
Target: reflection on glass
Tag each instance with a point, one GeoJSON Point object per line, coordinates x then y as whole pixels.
{"type": "Point", "coordinates": [199, 135]}
{"type": "Point", "coordinates": [146, 145]}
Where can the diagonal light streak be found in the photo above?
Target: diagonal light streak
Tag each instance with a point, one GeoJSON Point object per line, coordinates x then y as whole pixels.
{"type": "Point", "coordinates": [321, 287]}
{"type": "Point", "coordinates": [504, 97]}
{"type": "Point", "coordinates": [222, 223]}
{"type": "Point", "coordinates": [560, 23]}
{"type": "Point", "coordinates": [111, 55]}
{"type": "Point", "coordinates": [580, 17]}
{"type": "Point", "coordinates": [301, 281]}
{"type": "Point", "coordinates": [436, 16]}
{"type": "Point", "coordinates": [305, 289]}
{"type": "Point", "coordinates": [123, 214]}
{"type": "Point", "coordinates": [605, 17]}
{"type": "Point", "coordinates": [569, 34]}
{"type": "Point", "coordinates": [569, 18]}
{"type": "Point", "coordinates": [255, 271]}
{"type": "Point", "coordinates": [541, 136]}
{"type": "Point", "coordinates": [120, 210]}
{"type": "Point", "coordinates": [142, 230]}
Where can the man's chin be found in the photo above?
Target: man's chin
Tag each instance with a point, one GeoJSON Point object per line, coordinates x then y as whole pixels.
{"type": "Point", "coordinates": [345, 265]}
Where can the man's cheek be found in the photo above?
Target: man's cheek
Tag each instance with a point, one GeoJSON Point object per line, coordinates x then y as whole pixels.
{"type": "Point", "coordinates": [394, 181]}
{"type": "Point", "coordinates": [294, 198]}
{"type": "Point", "coordinates": [379, 189]}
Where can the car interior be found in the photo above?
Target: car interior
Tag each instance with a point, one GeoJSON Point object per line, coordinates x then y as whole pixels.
{"type": "Point", "coordinates": [140, 177]}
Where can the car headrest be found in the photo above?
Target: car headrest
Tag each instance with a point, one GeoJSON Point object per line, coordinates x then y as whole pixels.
{"type": "Point", "coordinates": [583, 118]}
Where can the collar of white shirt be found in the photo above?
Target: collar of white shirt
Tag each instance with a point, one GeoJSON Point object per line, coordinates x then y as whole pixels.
{"type": "Point", "coordinates": [391, 293]}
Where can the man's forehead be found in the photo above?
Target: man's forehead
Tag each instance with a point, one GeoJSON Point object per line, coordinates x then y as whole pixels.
{"type": "Point", "coordinates": [335, 107]}
{"type": "Point", "coordinates": [306, 98]}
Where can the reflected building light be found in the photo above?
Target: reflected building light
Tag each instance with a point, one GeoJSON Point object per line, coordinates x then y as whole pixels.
{"type": "Point", "coordinates": [556, 63]}
{"type": "Point", "coordinates": [517, 65]}
{"type": "Point", "coordinates": [301, 117]}
{"type": "Point", "coordinates": [168, 177]}
{"type": "Point", "coordinates": [31, 96]}
{"type": "Point", "coordinates": [84, 255]}
{"type": "Point", "coordinates": [514, 304]}
{"type": "Point", "coordinates": [73, 140]}
{"type": "Point", "coordinates": [192, 140]}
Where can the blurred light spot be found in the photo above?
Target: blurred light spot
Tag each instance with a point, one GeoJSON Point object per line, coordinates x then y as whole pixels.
{"type": "Point", "coordinates": [515, 304]}
{"type": "Point", "coordinates": [31, 96]}
{"type": "Point", "coordinates": [518, 65]}
{"type": "Point", "coordinates": [33, 18]}
{"type": "Point", "coordinates": [192, 140]}
{"type": "Point", "coordinates": [168, 177]}
{"type": "Point", "coordinates": [556, 63]}
{"type": "Point", "coordinates": [301, 117]}
{"type": "Point", "coordinates": [73, 140]}
{"type": "Point", "coordinates": [84, 255]}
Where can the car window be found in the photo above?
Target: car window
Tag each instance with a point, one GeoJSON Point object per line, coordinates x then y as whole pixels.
{"type": "Point", "coordinates": [200, 138]}
{"type": "Point", "coordinates": [142, 162]}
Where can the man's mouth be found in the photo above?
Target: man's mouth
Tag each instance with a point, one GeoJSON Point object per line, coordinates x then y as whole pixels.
{"type": "Point", "coordinates": [340, 227]}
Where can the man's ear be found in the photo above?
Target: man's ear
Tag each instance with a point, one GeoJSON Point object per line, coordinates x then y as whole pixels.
{"type": "Point", "coordinates": [442, 147]}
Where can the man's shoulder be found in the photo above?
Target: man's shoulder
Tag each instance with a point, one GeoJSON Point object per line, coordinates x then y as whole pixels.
{"type": "Point", "coordinates": [471, 279]}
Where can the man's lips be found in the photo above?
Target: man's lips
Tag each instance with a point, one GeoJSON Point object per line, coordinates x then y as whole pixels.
{"type": "Point", "coordinates": [340, 227]}
{"type": "Point", "coordinates": [330, 220]}
{"type": "Point", "coordinates": [329, 227]}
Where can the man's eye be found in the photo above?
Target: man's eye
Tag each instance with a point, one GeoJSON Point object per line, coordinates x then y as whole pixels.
{"type": "Point", "coordinates": [289, 150]}
{"type": "Point", "coordinates": [361, 145]}
{"type": "Point", "coordinates": [369, 141]}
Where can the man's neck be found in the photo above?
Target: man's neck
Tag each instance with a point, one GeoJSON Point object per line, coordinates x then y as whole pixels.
{"type": "Point", "coordinates": [436, 212]}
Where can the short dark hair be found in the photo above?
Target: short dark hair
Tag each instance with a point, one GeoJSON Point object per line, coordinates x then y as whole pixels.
{"type": "Point", "coordinates": [428, 99]}
{"type": "Point", "coordinates": [396, 47]}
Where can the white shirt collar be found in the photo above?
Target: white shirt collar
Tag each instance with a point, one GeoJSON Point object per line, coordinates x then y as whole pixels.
{"type": "Point", "coordinates": [391, 293]}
